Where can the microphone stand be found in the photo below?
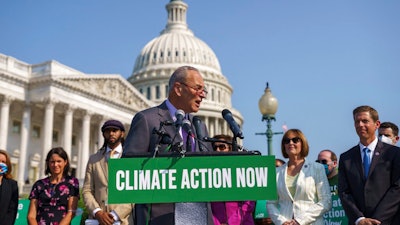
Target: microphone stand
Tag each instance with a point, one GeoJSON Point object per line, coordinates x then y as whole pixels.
{"type": "Point", "coordinates": [234, 144]}
{"type": "Point", "coordinates": [188, 143]}
{"type": "Point", "coordinates": [162, 136]}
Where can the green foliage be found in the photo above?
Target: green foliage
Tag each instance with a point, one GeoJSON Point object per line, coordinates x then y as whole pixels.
{"type": "Point", "coordinates": [81, 205]}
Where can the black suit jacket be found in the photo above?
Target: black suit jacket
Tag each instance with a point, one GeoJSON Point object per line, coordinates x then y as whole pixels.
{"type": "Point", "coordinates": [8, 201]}
{"type": "Point", "coordinates": [376, 197]}
{"type": "Point", "coordinates": [141, 139]}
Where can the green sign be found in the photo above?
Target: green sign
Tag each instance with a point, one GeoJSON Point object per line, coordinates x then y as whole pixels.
{"type": "Point", "coordinates": [23, 207]}
{"type": "Point", "coordinates": [336, 215]}
{"type": "Point", "coordinates": [261, 209]}
{"type": "Point", "coordinates": [191, 179]}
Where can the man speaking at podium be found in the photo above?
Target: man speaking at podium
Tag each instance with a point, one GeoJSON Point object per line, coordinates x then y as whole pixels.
{"type": "Point", "coordinates": [159, 129]}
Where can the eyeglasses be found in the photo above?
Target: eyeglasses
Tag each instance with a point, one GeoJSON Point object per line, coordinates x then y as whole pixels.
{"type": "Point", "coordinates": [287, 140]}
{"type": "Point", "coordinates": [221, 147]}
{"type": "Point", "coordinates": [198, 89]}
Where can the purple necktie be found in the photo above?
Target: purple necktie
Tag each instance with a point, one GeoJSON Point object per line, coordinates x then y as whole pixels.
{"type": "Point", "coordinates": [187, 141]}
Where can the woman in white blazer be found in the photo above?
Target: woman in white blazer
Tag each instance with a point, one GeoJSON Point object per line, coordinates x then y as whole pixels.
{"type": "Point", "coordinates": [303, 189]}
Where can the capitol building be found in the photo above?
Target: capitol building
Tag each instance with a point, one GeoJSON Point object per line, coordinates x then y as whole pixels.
{"type": "Point", "coordinates": [50, 104]}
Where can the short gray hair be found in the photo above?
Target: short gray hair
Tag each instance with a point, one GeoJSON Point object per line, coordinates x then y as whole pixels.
{"type": "Point", "coordinates": [179, 75]}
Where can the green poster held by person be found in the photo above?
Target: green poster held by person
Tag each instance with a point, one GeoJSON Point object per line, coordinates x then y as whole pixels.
{"type": "Point", "coordinates": [261, 209]}
{"type": "Point", "coordinates": [22, 214]}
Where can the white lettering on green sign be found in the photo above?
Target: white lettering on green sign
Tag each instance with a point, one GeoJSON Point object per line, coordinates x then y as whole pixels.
{"type": "Point", "coordinates": [145, 180]}
{"type": "Point", "coordinates": [197, 178]}
{"type": "Point", "coordinates": [250, 177]}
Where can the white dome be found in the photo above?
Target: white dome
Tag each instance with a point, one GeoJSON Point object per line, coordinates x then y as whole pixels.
{"type": "Point", "coordinates": [176, 45]}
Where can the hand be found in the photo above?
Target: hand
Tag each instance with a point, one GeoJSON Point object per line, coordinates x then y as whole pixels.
{"type": "Point", "coordinates": [104, 218]}
{"type": "Point", "coordinates": [291, 222]}
{"type": "Point", "coordinates": [369, 221]}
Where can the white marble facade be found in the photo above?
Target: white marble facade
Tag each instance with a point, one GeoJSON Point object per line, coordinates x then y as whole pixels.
{"type": "Point", "coordinates": [50, 104]}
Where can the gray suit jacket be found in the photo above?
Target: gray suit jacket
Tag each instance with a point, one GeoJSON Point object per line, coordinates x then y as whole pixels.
{"type": "Point", "coordinates": [141, 139]}
{"type": "Point", "coordinates": [95, 188]}
{"type": "Point", "coordinates": [376, 197]}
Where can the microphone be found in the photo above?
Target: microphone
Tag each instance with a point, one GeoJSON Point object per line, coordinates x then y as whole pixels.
{"type": "Point", "coordinates": [187, 127]}
{"type": "Point", "coordinates": [232, 123]}
{"type": "Point", "coordinates": [165, 137]}
{"type": "Point", "coordinates": [179, 114]}
{"type": "Point", "coordinates": [166, 123]}
{"type": "Point", "coordinates": [197, 127]}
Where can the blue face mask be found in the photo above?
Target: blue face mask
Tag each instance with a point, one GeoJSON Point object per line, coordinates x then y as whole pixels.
{"type": "Point", "coordinates": [3, 168]}
{"type": "Point", "coordinates": [327, 172]}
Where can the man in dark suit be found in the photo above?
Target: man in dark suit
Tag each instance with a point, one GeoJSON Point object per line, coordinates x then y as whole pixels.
{"type": "Point", "coordinates": [369, 180]}
{"type": "Point", "coordinates": [186, 92]}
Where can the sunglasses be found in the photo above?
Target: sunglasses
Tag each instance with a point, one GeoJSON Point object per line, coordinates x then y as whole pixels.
{"type": "Point", "coordinates": [221, 146]}
{"type": "Point", "coordinates": [287, 140]}
{"type": "Point", "coordinates": [323, 161]}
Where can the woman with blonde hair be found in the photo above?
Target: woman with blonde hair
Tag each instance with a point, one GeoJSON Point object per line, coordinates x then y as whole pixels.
{"type": "Point", "coordinates": [303, 189]}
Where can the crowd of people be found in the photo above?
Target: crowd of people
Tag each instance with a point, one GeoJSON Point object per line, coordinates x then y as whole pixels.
{"type": "Point", "coordinates": [364, 182]}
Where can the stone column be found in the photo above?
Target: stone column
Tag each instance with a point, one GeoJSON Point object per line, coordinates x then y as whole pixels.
{"type": "Point", "coordinates": [47, 133]}
{"type": "Point", "coordinates": [4, 120]}
{"type": "Point", "coordinates": [217, 128]}
{"type": "Point", "coordinates": [67, 142]}
{"type": "Point", "coordinates": [100, 138]}
{"type": "Point", "coordinates": [85, 140]}
{"type": "Point", "coordinates": [225, 127]}
{"type": "Point", "coordinates": [206, 122]}
{"type": "Point", "coordinates": [25, 131]}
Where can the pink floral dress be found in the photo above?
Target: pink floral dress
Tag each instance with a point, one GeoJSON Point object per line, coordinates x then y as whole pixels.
{"type": "Point", "coordinates": [53, 199]}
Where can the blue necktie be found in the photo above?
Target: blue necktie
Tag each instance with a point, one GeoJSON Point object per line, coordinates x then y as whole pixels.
{"type": "Point", "coordinates": [366, 161]}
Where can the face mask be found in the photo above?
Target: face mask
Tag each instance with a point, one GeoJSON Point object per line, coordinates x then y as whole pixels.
{"type": "Point", "coordinates": [327, 172]}
{"type": "Point", "coordinates": [3, 168]}
{"type": "Point", "coordinates": [386, 140]}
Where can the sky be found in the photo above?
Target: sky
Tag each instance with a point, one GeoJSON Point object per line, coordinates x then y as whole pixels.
{"type": "Point", "coordinates": [321, 58]}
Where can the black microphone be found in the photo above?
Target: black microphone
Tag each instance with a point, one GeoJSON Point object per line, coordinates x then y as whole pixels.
{"type": "Point", "coordinates": [197, 127]}
{"type": "Point", "coordinates": [166, 123]}
{"type": "Point", "coordinates": [232, 123]}
{"type": "Point", "coordinates": [165, 137]}
{"type": "Point", "coordinates": [187, 126]}
{"type": "Point", "coordinates": [179, 114]}
{"type": "Point", "coordinates": [188, 129]}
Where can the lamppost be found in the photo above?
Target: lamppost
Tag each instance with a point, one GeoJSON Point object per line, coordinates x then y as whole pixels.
{"type": "Point", "coordinates": [268, 106]}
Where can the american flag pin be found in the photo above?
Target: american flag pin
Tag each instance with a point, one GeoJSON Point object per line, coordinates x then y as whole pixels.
{"type": "Point", "coordinates": [377, 153]}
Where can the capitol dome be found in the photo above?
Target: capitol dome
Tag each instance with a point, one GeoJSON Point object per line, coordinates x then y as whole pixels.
{"type": "Point", "coordinates": [178, 46]}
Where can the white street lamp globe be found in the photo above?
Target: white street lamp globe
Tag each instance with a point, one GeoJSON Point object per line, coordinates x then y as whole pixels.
{"type": "Point", "coordinates": [268, 104]}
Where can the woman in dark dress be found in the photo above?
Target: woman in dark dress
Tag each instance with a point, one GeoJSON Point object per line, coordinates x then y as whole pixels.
{"type": "Point", "coordinates": [8, 191]}
{"type": "Point", "coordinates": [54, 199]}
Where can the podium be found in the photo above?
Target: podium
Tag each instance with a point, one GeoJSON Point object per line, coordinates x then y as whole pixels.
{"type": "Point", "coordinates": [192, 177]}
